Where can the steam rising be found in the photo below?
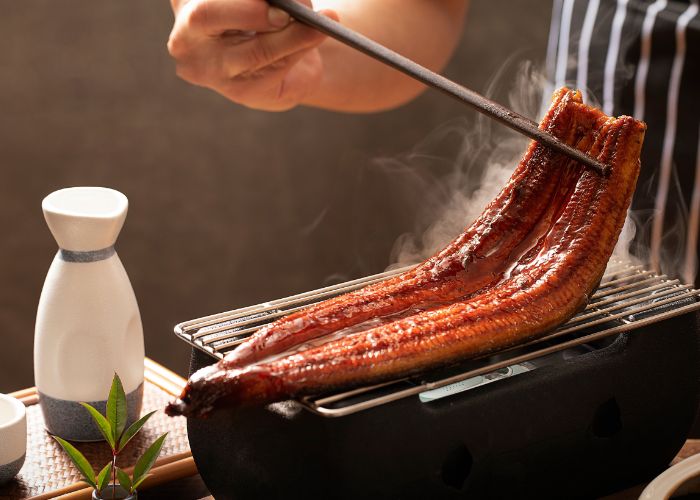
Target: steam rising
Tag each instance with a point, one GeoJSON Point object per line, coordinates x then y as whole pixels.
{"type": "Point", "coordinates": [672, 258]}
{"type": "Point", "coordinates": [482, 156]}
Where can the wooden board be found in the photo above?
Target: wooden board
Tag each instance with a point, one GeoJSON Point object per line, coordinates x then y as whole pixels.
{"type": "Point", "coordinates": [49, 473]}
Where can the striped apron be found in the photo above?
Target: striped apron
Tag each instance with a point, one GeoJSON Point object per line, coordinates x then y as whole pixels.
{"type": "Point", "coordinates": [642, 58]}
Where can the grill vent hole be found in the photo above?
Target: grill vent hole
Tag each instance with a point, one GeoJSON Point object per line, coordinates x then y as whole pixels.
{"type": "Point", "coordinates": [456, 467]}
{"type": "Point", "coordinates": [607, 421]}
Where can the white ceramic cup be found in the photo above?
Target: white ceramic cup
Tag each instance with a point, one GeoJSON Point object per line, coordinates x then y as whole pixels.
{"type": "Point", "coordinates": [13, 436]}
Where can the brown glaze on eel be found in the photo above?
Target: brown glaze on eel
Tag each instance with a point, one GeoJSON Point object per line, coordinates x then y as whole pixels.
{"type": "Point", "coordinates": [475, 259]}
{"type": "Point", "coordinates": [528, 279]}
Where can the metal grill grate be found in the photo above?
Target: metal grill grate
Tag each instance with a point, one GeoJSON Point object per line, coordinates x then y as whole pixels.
{"type": "Point", "coordinates": [628, 298]}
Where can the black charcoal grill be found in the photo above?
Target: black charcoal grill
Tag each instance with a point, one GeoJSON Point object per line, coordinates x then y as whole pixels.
{"type": "Point", "coordinates": [602, 403]}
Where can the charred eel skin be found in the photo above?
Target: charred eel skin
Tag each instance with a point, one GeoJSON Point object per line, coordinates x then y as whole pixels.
{"type": "Point", "coordinates": [541, 276]}
{"type": "Point", "coordinates": [468, 264]}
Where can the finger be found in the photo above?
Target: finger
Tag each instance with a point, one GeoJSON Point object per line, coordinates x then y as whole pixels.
{"type": "Point", "coordinates": [212, 62]}
{"type": "Point", "coordinates": [213, 17]}
{"type": "Point", "coordinates": [251, 87]}
{"type": "Point", "coordinates": [265, 49]}
{"type": "Point", "coordinates": [270, 88]}
{"type": "Point", "coordinates": [194, 71]}
{"type": "Point", "coordinates": [303, 78]}
{"type": "Point", "coordinates": [200, 68]}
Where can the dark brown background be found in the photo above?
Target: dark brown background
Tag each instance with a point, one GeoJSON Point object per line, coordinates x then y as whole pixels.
{"type": "Point", "coordinates": [228, 206]}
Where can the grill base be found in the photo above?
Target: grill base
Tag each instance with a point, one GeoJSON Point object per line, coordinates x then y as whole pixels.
{"type": "Point", "coordinates": [585, 427]}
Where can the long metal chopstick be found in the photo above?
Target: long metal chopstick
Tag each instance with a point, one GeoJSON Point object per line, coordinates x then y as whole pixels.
{"type": "Point", "coordinates": [486, 106]}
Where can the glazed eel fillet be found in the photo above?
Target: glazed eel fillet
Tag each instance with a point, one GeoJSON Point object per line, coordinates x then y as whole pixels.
{"type": "Point", "coordinates": [525, 266]}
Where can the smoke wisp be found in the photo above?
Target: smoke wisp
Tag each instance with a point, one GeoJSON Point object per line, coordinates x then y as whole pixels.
{"type": "Point", "coordinates": [476, 158]}
{"type": "Point", "coordinates": [482, 156]}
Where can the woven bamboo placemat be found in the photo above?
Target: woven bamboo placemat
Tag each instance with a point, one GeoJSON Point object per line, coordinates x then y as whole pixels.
{"type": "Point", "coordinates": [49, 473]}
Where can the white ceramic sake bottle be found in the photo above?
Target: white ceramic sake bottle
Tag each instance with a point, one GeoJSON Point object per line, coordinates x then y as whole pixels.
{"type": "Point", "coordinates": [88, 324]}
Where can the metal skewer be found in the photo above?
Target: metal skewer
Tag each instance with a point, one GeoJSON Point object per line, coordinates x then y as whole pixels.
{"type": "Point", "coordinates": [486, 106]}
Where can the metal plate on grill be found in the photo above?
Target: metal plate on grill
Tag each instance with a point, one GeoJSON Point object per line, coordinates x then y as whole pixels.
{"type": "Point", "coordinates": [629, 297]}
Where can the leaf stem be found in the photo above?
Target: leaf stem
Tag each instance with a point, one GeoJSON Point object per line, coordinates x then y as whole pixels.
{"type": "Point", "coordinates": [114, 474]}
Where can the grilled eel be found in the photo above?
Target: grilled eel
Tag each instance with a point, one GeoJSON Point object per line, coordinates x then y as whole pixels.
{"type": "Point", "coordinates": [525, 266]}
{"type": "Point", "coordinates": [469, 263]}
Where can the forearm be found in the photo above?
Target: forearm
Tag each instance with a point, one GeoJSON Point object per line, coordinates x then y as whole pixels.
{"type": "Point", "coordinates": [423, 30]}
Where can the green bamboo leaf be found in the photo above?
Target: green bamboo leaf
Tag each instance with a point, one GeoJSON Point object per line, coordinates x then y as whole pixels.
{"type": "Point", "coordinates": [116, 408]}
{"type": "Point", "coordinates": [102, 424]}
{"type": "Point", "coordinates": [103, 477]}
{"type": "Point", "coordinates": [133, 430]}
{"type": "Point", "coordinates": [124, 480]}
{"type": "Point", "coordinates": [79, 460]}
{"type": "Point", "coordinates": [144, 464]}
{"type": "Point", "coordinates": [139, 481]}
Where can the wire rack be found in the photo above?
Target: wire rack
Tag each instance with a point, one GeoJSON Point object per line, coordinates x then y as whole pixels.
{"type": "Point", "coordinates": [629, 297]}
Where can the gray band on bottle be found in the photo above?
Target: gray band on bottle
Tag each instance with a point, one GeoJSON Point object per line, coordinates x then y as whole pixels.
{"type": "Point", "coordinates": [88, 256]}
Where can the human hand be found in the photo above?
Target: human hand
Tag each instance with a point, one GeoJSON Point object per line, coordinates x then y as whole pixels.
{"type": "Point", "coordinates": [249, 52]}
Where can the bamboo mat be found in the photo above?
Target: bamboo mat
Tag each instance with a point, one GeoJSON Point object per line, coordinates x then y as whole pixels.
{"type": "Point", "coordinates": [49, 473]}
